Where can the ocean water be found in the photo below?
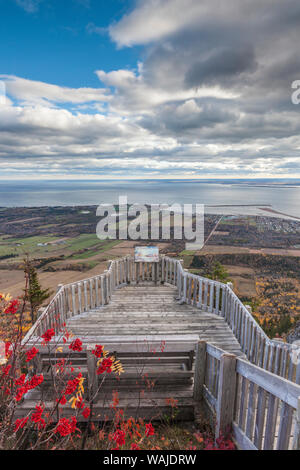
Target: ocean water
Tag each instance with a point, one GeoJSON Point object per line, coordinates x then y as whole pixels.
{"type": "Point", "coordinates": [281, 195]}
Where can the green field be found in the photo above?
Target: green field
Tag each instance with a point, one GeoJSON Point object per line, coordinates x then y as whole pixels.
{"type": "Point", "coordinates": [86, 240]}
{"type": "Point", "coordinates": [28, 245]}
{"type": "Point", "coordinates": [95, 250]}
{"type": "Point", "coordinates": [71, 247]}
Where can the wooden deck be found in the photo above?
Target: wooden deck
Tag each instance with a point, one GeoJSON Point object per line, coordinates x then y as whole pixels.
{"type": "Point", "coordinates": [137, 312]}
{"type": "Point", "coordinates": [155, 336]}
{"type": "Point", "coordinates": [179, 336]}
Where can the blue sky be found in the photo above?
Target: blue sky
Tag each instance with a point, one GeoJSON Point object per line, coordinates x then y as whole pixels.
{"type": "Point", "coordinates": [149, 89]}
{"type": "Point", "coordinates": [54, 42]}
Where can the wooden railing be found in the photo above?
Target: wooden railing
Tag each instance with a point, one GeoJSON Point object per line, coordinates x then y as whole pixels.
{"type": "Point", "coordinates": [257, 398]}
{"type": "Point", "coordinates": [262, 408]}
{"type": "Point", "coordinates": [81, 296]}
{"type": "Point", "coordinates": [215, 297]}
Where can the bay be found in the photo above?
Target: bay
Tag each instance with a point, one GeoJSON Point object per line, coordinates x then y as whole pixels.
{"type": "Point", "coordinates": [280, 195]}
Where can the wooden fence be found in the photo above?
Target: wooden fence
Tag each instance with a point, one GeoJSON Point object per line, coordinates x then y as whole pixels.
{"type": "Point", "coordinates": [81, 296]}
{"type": "Point", "coordinates": [215, 297]}
{"type": "Point", "coordinates": [262, 408]}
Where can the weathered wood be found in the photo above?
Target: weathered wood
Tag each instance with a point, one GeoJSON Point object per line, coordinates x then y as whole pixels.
{"type": "Point", "coordinates": [156, 409]}
{"type": "Point", "coordinates": [37, 363]}
{"type": "Point", "coordinates": [260, 418]}
{"type": "Point", "coordinates": [200, 366]}
{"type": "Point", "coordinates": [209, 399]}
{"type": "Point", "coordinates": [271, 422]}
{"type": "Point", "coordinates": [92, 377]}
{"type": "Point", "coordinates": [196, 290]}
{"type": "Point", "coordinates": [226, 392]}
{"type": "Point", "coordinates": [79, 298]}
{"type": "Point", "coordinates": [251, 411]}
{"type": "Point", "coordinates": [96, 311]}
{"type": "Point", "coordinates": [285, 390]}
{"type": "Point", "coordinates": [285, 427]}
{"type": "Point", "coordinates": [296, 441]}
{"type": "Point", "coordinates": [217, 307]}
{"type": "Point", "coordinates": [242, 441]}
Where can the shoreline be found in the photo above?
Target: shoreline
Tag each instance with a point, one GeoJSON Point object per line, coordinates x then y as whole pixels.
{"type": "Point", "coordinates": [209, 209]}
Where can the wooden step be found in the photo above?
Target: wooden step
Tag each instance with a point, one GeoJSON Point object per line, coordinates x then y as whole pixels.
{"type": "Point", "coordinates": [154, 409]}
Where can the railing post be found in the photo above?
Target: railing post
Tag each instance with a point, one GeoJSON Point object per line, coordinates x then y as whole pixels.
{"type": "Point", "coordinates": [179, 278]}
{"type": "Point", "coordinates": [105, 289]}
{"type": "Point", "coordinates": [92, 376]}
{"type": "Point", "coordinates": [296, 443]}
{"type": "Point", "coordinates": [37, 364]}
{"type": "Point", "coordinates": [223, 308]}
{"type": "Point", "coordinates": [59, 286]}
{"type": "Point", "coordinates": [74, 310]}
{"type": "Point", "coordinates": [200, 365]}
{"type": "Point", "coordinates": [61, 305]}
{"type": "Point", "coordinates": [162, 269]}
{"type": "Point", "coordinates": [128, 280]}
{"type": "Point", "coordinates": [226, 394]}
{"type": "Point", "coordinates": [40, 312]}
{"type": "Point", "coordinates": [184, 296]}
{"type": "Point", "coordinates": [111, 268]}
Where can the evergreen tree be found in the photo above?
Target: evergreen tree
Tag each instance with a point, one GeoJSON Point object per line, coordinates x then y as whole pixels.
{"type": "Point", "coordinates": [34, 294]}
{"type": "Point", "coordinates": [219, 273]}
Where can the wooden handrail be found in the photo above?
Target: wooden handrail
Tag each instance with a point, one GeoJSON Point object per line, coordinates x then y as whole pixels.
{"type": "Point", "coordinates": [261, 408]}
{"type": "Point", "coordinates": [206, 294]}
{"type": "Point", "coordinates": [219, 298]}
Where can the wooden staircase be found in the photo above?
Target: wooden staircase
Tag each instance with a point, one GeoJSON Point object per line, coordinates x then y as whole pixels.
{"type": "Point", "coordinates": [155, 373]}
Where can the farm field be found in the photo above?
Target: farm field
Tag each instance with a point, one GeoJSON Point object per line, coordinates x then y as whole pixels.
{"type": "Point", "coordinates": [64, 245]}
{"type": "Point", "coordinates": [81, 257]}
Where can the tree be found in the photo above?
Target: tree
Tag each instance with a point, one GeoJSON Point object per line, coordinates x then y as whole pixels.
{"type": "Point", "coordinates": [34, 294]}
{"type": "Point", "coordinates": [219, 273]}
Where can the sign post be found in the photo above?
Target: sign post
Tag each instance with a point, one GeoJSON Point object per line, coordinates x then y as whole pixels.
{"type": "Point", "coordinates": [148, 254]}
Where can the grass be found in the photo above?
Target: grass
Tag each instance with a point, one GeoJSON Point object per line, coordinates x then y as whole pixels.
{"type": "Point", "coordinates": [101, 247]}
{"type": "Point", "coordinates": [29, 245]}
{"type": "Point", "coordinates": [47, 226]}
{"type": "Point", "coordinates": [187, 257]}
{"type": "Point", "coordinates": [187, 253]}
{"type": "Point", "coordinates": [92, 264]}
{"type": "Point", "coordinates": [86, 240]}
{"type": "Point", "coordinates": [80, 248]}
{"type": "Point", "coordinates": [174, 436]}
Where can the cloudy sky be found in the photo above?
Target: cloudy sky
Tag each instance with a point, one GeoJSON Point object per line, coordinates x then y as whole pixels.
{"type": "Point", "coordinates": [149, 88]}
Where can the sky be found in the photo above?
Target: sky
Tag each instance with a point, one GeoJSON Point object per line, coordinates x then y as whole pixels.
{"type": "Point", "coordinates": [97, 89]}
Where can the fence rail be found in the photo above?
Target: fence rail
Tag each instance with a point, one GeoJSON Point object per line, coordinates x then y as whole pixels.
{"type": "Point", "coordinates": [262, 408]}
{"type": "Point", "coordinates": [81, 296]}
{"type": "Point", "coordinates": [212, 296]}
{"type": "Point", "coordinates": [260, 399]}
{"type": "Point", "coordinates": [215, 297]}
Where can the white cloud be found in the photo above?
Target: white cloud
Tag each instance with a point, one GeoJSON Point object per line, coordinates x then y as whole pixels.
{"type": "Point", "coordinates": [154, 19]}
{"type": "Point", "coordinates": [212, 97]}
{"type": "Point", "coordinates": [134, 94]}
{"type": "Point", "coordinates": [35, 92]}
